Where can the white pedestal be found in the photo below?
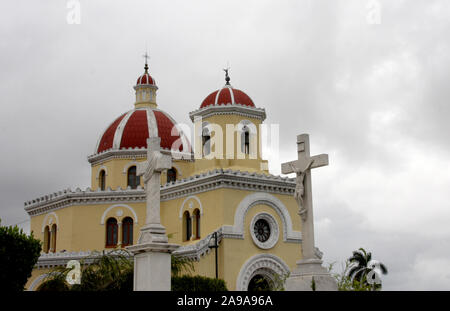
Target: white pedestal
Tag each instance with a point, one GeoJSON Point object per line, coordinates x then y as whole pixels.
{"type": "Point", "coordinates": [152, 260]}
{"type": "Point", "coordinates": [302, 276]}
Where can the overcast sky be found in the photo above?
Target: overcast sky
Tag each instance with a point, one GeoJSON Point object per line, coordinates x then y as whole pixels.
{"type": "Point", "coordinates": [371, 88]}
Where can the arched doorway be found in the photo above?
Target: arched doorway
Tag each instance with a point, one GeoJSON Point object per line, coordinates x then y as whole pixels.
{"type": "Point", "coordinates": [262, 272]}
{"type": "Point", "coordinates": [259, 283]}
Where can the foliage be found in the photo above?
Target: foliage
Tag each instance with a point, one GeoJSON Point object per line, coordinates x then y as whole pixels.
{"type": "Point", "coordinates": [108, 272]}
{"type": "Point", "coordinates": [187, 283]}
{"type": "Point", "coordinates": [345, 283]}
{"type": "Point", "coordinates": [313, 285]}
{"type": "Point", "coordinates": [275, 283]}
{"type": "Point", "coordinates": [179, 264]}
{"type": "Point", "coordinates": [361, 264]}
{"type": "Point", "coordinates": [19, 253]}
{"type": "Point", "coordinates": [114, 272]}
{"type": "Point", "coordinates": [55, 282]}
{"type": "Point", "coordinates": [355, 271]}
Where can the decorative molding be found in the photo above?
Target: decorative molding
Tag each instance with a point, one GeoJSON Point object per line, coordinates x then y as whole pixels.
{"type": "Point", "coordinates": [66, 198]}
{"type": "Point", "coordinates": [135, 220]}
{"type": "Point", "coordinates": [245, 111]}
{"type": "Point", "coordinates": [265, 264]}
{"type": "Point", "coordinates": [220, 178]}
{"type": "Point", "coordinates": [135, 153]}
{"type": "Point", "coordinates": [195, 184]}
{"type": "Point", "coordinates": [193, 197]}
{"type": "Point", "coordinates": [44, 222]}
{"type": "Point", "coordinates": [199, 249]}
{"type": "Point", "coordinates": [128, 165]}
{"type": "Point", "coordinates": [100, 169]}
{"type": "Point", "coordinates": [267, 199]}
{"type": "Point", "coordinates": [51, 260]}
{"type": "Point", "coordinates": [274, 231]}
{"type": "Point", "coordinates": [37, 281]}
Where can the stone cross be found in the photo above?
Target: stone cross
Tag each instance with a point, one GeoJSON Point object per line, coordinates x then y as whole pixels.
{"type": "Point", "coordinates": [152, 252]}
{"type": "Point", "coordinates": [303, 192]}
{"type": "Point", "coordinates": [151, 172]}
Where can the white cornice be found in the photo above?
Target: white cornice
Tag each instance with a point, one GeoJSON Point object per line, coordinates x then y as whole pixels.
{"type": "Point", "coordinates": [131, 153]}
{"type": "Point", "coordinates": [211, 180]}
{"type": "Point", "coordinates": [245, 111]}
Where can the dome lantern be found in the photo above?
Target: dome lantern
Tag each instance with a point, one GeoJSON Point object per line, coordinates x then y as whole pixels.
{"type": "Point", "coordinates": [145, 89]}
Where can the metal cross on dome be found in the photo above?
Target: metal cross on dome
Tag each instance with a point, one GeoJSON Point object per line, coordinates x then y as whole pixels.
{"type": "Point", "coordinates": [146, 57]}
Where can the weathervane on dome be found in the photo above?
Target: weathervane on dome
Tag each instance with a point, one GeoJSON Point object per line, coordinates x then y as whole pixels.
{"type": "Point", "coordinates": [227, 77]}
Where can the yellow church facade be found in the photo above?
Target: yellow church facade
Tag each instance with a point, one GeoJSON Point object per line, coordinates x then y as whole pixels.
{"type": "Point", "coordinates": [220, 185]}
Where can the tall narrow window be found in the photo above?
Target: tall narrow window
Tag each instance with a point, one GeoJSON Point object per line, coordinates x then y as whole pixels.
{"type": "Point", "coordinates": [187, 226]}
{"type": "Point", "coordinates": [206, 141]}
{"type": "Point", "coordinates": [171, 175]}
{"type": "Point", "coordinates": [246, 140]}
{"type": "Point", "coordinates": [133, 179]}
{"type": "Point", "coordinates": [46, 239]}
{"type": "Point", "coordinates": [111, 232]}
{"type": "Point", "coordinates": [102, 180]}
{"type": "Point", "coordinates": [127, 231]}
{"type": "Point", "coordinates": [197, 224]}
{"type": "Point", "coordinates": [53, 239]}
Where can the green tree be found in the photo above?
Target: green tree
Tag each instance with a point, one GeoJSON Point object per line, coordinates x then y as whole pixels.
{"type": "Point", "coordinates": [19, 253]}
{"type": "Point", "coordinates": [361, 264]}
{"type": "Point", "coordinates": [345, 283]}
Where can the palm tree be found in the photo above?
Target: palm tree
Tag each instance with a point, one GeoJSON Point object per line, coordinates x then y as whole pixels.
{"type": "Point", "coordinates": [362, 264]}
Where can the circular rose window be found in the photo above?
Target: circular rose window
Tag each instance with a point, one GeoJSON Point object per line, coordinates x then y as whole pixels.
{"type": "Point", "coordinates": [264, 230]}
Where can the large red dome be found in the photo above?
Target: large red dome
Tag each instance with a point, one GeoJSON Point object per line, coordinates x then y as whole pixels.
{"type": "Point", "coordinates": [132, 129]}
{"type": "Point", "coordinates": [227, 95]}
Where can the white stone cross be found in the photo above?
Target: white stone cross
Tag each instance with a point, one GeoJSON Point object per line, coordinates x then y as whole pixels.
{"type": "Point", "coordinates": [303, 192]}
{"type": "Point", "coordinates": [151, 171]}
{"type": "Point", "coordinates": [152, 252]}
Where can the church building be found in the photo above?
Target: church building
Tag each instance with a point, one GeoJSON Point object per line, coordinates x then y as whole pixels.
{"type": "Point", "coordinates": [211, 190]}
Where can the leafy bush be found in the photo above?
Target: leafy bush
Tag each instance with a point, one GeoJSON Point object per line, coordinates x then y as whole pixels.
{"type": "Point", "coordinates": [19, 253]}
{"type": "Point", "coordinates": [187, 283]}
{"type": "Point", "coordinates": [114, 272]}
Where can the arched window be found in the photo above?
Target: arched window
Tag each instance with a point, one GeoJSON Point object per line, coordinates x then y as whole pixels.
{"type": "Point", "coordinates": [171, 175]}
{"type": "Point", "coordinates": [187, 226]}
{"type": "Point", "coordinates": [102, 180]}
{"type": "Point", "coordinates": [127, 231]}
{"type": "Point", "coordinates": [111, 232]}
{"type": "Point", "coordinates": [196, 224]}
{"type": "Point", "coordinates": [53, 239]}
{"type": "Point", "coordinates": [206, 141]}
{"type": "Point", "coordinates": [245, 140]}
{"type": "Point", "coordinates": [133, 179]}
{"type": "Point", "coordinates": [46, 239]}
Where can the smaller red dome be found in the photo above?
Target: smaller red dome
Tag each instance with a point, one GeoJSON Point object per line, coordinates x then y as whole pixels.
{"type": "Point", "coordinates": [227, 95]}
{"type": "Point", "coordinates": [145, 79]}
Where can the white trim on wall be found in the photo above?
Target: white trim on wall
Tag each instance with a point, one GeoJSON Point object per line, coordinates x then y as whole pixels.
{"type": "Point", "coordinates": [44, 222]}
{"type": "Point", "coordinates": [266, 199]}
{"type": "Point", "coordinates": [128, 165]}
{"type": "Point", "coordinates": [135, 220]}
{"type": "Point", "coordinates": [100, 169]}
{"type": "Point", "coordinates": [194, 197]}
{"type": "Point", "coordinates": [265, 264]}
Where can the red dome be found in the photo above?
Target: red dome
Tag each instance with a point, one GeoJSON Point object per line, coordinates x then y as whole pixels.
{"type": "Point", "coordinates": [145, 79]}
{"type": "Point", "coordinates": [227, 95]}
{"type": "Point", "coordinates": [132, 129]}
